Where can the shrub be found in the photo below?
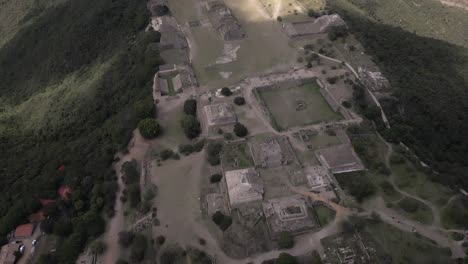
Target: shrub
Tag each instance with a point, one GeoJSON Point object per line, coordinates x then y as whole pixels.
{"type": "Point", "coordinates": [387, 188]}
{"type": "Point", "coordinates": [409, 205]}
{"type": "Point", "coordinates": [337, 32]}
{"type": "Point", "coordinates": [240, 130]}
{"type": "Point", "coordinates": [198, 146]}
{"type": "Point", "coordinates": [346, 104]}
{"type": "Point", "coordinates": [160, 10]}
{"type": "Point", "coordinates": [126, 238]}
{"type": "Point", "coordinates": [332, 80]}
{"type": "Point", "coordinates": [221, 220]}
{"type": "Point", "coordinates": [309, 65]}
{"type": "Point", "coordinates": [285, 258]}
{"type": "Point", "coordinates": [190, 107]}
{"type": "Point", "coordinates": [134, 196]}
{"type": "Point", "coordinates": [312, 13]}
{"type": "Point", "coordinates": [213, 150]}
{"type": "Point", "coordinates": [137, 251]}
{"type": "Point", "coordinates": [186, 149]}
{"type": "Point", "coordinates": [228, 136]}
{"type": "Point", "coordinates": [191, 126]}
{"type": "Point", "coordinates": [360, 187]}
{"type": "Point", "coordinates": [279, 19]}
{"type": "Point", "coordinates": [160, 240]}
{"type": "Point", "coordinates": [285, 240]}
{"type": "Point", "coordinates": [216, 178]}
{"type": "Point", "coordinates": [226, 91]}
{"type": "Point", "coordinates": [239, 100]}
{"type": "Point", "coordinates": [165, 154]}
{"type": "Point", "coordinates": [149, 128]}
{"type": "Point", "coordinates": [308, 47]}
{"type": "Point", "coordinates": [145, 108]}
{"type": "Point", "coordinates": [130, 173]}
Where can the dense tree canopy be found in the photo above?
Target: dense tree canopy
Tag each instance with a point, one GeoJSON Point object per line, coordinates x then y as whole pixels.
{"type": "Point", "coordinates": [429, 78]}
{"type": "Point", "coordinates": [92, 59]}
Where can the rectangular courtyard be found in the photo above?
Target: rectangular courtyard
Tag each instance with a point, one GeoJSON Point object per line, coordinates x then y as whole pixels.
{"type": "Point", "coordinates": [297, 106]}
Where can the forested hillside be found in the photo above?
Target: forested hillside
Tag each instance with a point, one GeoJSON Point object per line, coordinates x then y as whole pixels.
{"type": "Point", "coordinates": [430, 78]}
{"type": "Point", "coordinates": [69, 85]}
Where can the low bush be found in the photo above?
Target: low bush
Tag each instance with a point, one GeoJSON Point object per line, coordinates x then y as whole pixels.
{"type": "Point", "coordinates": [221, 220]}
{"type": "Point", "coordinates": [215, 178]}
{"type": "Point", "coordinates": [239, 100]}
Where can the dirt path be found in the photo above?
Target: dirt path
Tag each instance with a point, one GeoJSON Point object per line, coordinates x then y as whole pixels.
{"type": "Point", "coordinates": [393, 218]}
{"type": "Point", "coordinates": [136, 150]}
{"type": "Point", "coordinates": [435, 211]}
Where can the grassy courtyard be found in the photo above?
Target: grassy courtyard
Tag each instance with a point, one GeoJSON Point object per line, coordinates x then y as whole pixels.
{"type": "Point", "coordinates": [282, 104]}
{"type": "Point", "coordinates": [325, 215]}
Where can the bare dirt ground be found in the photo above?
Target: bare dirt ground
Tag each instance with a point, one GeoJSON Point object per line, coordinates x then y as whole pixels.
{"type": "Point", "coordinates": [456, 3]}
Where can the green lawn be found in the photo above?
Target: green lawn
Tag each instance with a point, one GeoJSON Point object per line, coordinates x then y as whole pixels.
{"type": "Point", "coordinates": [282, 105]}
{"type": "Point", "coordinates": [324, 214]}
{"type": "Point", "coordinates": [170, 86]}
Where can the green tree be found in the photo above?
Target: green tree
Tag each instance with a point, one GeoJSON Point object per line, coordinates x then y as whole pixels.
{"type": "Point", "coordinates": [190, 107]}
{"type": "Point", "coordinates": [138, 248]}
{"type": "Point", "coordinates": [63, 227]}
{"type": "Point", "coordinates": [240, 130]}
{"type": "Point", "coordinates": [216, 178]}
{"type": "Point", "coordinates": [221, 220]}
{"type": "Point", "coordinates": [98, 247]}
{"type": "Point", "coordinates": [145, 108]}
{"type": "Point", "coordinates": [149, 128]}
{"type": "Point", "coordinates": [191, 126]}
{"type": "Point", "coordinates": [213, 151]}
{"type": "Point", "coordinates": [226, 91]}
{"type": "Point", "coordinates": [239, 100]}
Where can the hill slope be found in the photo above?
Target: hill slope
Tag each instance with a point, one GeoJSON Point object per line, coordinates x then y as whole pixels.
{"type": "Point", "coordinates": [430, 78]}
{"type": "Point", "coordinates": [69, 83]}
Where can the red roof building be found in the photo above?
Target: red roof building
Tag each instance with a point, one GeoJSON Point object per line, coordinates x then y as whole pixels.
{"type": "Point", "coordinates": [45, 202]}
{"type": "Point", "coordinates": [24, 231]}
{"type": "Point", "coordinates": [64, 192]}
{"type": "Point", "coordinates": [36, 217]}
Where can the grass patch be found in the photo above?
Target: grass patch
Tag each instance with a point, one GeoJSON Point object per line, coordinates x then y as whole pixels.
{"type": "Point", "coordinates": [414, 210]}
{"type": "Point", "coordinates": [412, 180]}
{"type": "Point", "coordinates": [170, 86]}
{"type": "Point", "coordinates": [425, 18]}
{"type": "Point", "coordinates": [282, 103]}
{"type": "Point", "coordinates": [236, 156]}
{"type": "Point", "coordinates": [455, 215]}
{"type": "Point", "coordinates": [405, 247]}
{"type": "Point", "coordinates": [324, 214]}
